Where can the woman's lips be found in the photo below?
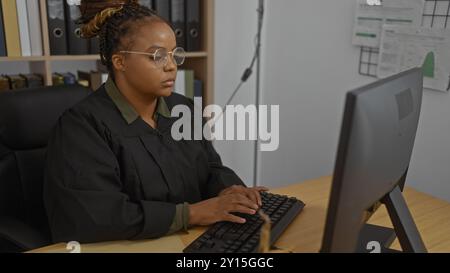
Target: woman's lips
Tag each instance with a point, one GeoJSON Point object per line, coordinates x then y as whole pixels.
{"type": "Point", "coordinates": [168, 83]}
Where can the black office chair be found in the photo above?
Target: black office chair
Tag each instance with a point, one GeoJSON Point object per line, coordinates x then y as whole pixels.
{"type": "Point", "coordinates": [27, 118]}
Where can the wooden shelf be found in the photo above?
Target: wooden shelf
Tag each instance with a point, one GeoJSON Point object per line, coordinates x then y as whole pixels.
{"type": "Point", "coordinates": [201, 62]}
{"type": "Point", "coordinates": [22, 59]}
{"type": "Point", "coordinates": [196, 54]}
{"type": "Point", "coordinates": [201, 54]}
{"type": "Point", "coordinates": [74, 58]}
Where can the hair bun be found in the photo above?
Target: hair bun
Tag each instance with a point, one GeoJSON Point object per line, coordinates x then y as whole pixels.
{"type": "Point", "coordinates": [94, 14]}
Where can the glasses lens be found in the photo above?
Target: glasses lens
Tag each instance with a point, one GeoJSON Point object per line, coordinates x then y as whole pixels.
{"type": "Point", "coordinates": [179, 55]}
{"type": "Point", "coordinates": [161, 57]}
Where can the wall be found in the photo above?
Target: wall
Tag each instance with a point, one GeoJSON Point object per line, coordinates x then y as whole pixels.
{"type": "Point", "coordinates": [308, 66]}
{"type": "Point", "coordinates": [235, 29]}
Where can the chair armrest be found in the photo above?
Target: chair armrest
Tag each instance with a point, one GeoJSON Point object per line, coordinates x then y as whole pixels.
{"type": "Point", "coordinates": [22, 236]}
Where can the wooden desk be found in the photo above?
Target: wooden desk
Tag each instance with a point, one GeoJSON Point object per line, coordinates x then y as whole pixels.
{"type": "Point", "coordinates": [431, 215]}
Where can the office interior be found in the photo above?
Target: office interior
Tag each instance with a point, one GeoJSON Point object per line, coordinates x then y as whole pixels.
{"type": "Point", "coordinates": [307, 64]}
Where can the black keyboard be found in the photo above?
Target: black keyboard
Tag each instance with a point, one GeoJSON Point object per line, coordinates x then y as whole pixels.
{"type": "Point", "coordinates": [227, 237]}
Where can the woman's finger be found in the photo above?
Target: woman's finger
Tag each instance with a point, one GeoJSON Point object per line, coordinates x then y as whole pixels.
{"type": "Point", "coordinates": [251, 194]}
{"type": "Point", "coordinates": [233, 218]}
{"type": "Point", "coordinates": [258, 197]}
{"type": "Point", "coordinates": [245, 201]}
{"type": "Point", "coordinates": [242, 209]}
{"type": "Point", "coordinates": [255, 197]}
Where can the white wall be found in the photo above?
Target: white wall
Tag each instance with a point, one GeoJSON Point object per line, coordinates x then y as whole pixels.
{"type": "Point", "coordinates": [430, 165]}
{"type": "Point", "coordinates": [12, 68]}
{"type": "Point", "coordinates": [235, 28]}
{"type": "Point", "coordinates": [309, 64]}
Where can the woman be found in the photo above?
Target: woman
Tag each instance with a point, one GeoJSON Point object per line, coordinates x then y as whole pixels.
{"type": "Point", "coordinates": [113, 170]}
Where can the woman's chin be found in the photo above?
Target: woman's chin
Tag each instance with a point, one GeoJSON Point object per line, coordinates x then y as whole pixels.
{"type": "Point", "coordinates": [165, 92]}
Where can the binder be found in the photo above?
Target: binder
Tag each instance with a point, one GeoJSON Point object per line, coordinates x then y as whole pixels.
{"type": "Point", "coordinates": [162, 8]}
{"type": "Point", "coordinates": [2, 35]}
{"type": "Point", "coordinates": [84, 83]}
{"type": "Point", "coordinates": [16, 82]}
{"type": "Point", "coordinates": [198, 92]}
{"type": "Point", "coordinates": [193, 25]}
{"type": "Point", "coordinates": [178, 21]}
{"type": "Point", "coordinates": [94, 45]}
{"type": "Point", "coordinates": [57, 79]}
{"type": "Point", "coordinates": [146, 3]}
{"type": "Point", "coordinates": [32, 80]}
{"type": "Point", "coordinates": [11, 27]}
{"type": "Point", "coordinates": [69, 78]}
{"type": "Point", "coordinates": [198, 88]}
{"type": "Point", "coordinates": [75, 44]}
{"type": "Point", "coordinates": [84, 78]}
{"type": "Point", "coordinates": [93, 79]}
{"type": "Point", "coordinates": [189, 81]}
{"type": "Point", "coordinates": [24, 32]}
{"type": "Point", "coordinates": [56, 27]}
{"type": "Point", "coordinates": [96, 80]}
{"type": "Point", "coordinates": [4, 83]}
{"type": "Point", "coordinates": [34, 23]}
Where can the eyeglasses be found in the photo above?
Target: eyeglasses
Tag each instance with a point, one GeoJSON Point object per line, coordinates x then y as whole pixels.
{"type": "Point", "coordinates": [161, 56]}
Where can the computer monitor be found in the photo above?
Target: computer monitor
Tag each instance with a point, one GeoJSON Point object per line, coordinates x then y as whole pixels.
{"type": "Point", "coordinates": [375, 146]}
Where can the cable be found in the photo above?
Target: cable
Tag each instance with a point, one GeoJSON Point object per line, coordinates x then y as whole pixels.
{"type": "Point", "coordinates": [249, 71]}
{"type": "Point", "coordinates": [245, 76]}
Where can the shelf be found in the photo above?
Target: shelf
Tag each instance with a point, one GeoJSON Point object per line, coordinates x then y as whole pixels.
{"type": "Point", "coordinates": [200, 54]}
{"type": "Point", "coordinates": [22, 59]}
{"type": "Point", "coordinates": [95, 57]}
{"type": "Point", "coordinates": [201, 62]}
{"type": "Point", "coordinates": [74, 58]}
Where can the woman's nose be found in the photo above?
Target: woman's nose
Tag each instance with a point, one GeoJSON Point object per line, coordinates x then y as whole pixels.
{"type": "Point", "coordinates": [171, 65]}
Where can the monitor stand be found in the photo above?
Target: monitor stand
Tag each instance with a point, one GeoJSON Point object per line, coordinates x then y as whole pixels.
{"type": "Point", "coordinates": [378, 239]}
{"type": "Point", "coordinates": [375, 239]}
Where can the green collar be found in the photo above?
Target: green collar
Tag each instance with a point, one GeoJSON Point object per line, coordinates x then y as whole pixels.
{"type": "Point", "coordinates": [126, 109]}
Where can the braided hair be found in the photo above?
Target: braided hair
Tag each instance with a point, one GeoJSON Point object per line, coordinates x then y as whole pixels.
{"type": "Point", "coordinates": [112, 21]}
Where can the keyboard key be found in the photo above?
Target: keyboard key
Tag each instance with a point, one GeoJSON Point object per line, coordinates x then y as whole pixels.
{"type": "Point", "coordinates": [209, 244]}
{"type": "Point", "coordinates": [245, 236]}
{"type": "Point", "coordinates": [220, 233]}
{"type": "Point", "coordinates": [245, 249]}
{"type": "Point", "coordinates": [234, 247]}
{"type": "Point", "coordinates": [231, 236]}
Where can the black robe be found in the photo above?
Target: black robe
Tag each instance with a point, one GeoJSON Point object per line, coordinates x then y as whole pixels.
{"type": "Point", "coordinates": [109, 180]}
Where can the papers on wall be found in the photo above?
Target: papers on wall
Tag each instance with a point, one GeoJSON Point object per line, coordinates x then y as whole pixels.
{"type": "Point", "coordinates": [404, 47]}
{"type": "Point", "coordinates": [369, 19]}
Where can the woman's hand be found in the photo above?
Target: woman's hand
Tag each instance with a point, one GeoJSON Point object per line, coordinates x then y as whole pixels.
{"type": "Point", "coordinates": [220, 208]}
{"type": "Point", "coordinates": [251, 193]}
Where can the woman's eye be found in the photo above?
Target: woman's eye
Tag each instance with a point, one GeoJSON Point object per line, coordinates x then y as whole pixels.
{"type": "Point", "coordinates": [160, 54]}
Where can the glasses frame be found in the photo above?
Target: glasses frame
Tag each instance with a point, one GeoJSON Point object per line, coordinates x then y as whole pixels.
{"type": "Point", "coordinates": [154, 55]}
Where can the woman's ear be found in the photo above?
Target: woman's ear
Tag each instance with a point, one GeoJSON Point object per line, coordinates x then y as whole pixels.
{"type": "Point", "coordinates": [118, 62]}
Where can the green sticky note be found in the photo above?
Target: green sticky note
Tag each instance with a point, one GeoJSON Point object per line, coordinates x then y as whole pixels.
{"type": "Point", "coordinates": [428, 65]}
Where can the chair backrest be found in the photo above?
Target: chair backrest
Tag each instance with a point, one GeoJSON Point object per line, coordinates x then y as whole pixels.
{"type": "Point", "coordinates": [27, 118]}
